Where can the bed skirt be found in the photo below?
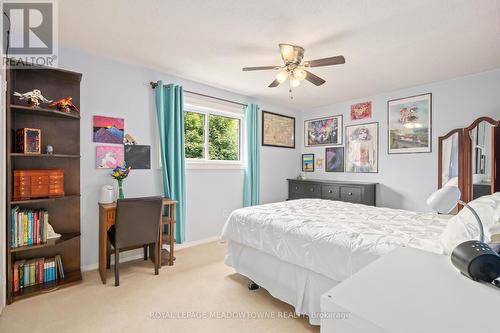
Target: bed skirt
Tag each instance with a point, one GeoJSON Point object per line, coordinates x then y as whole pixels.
{"type": "Point", "coordinates": [289, 283]}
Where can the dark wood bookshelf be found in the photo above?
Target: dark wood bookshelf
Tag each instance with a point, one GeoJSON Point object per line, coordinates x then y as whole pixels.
{"type": "Point", "coordinates": [62, 131]}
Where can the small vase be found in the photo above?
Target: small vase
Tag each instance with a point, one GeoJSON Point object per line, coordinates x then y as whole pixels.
{"type": "Point", "coordinates": [121, 195]}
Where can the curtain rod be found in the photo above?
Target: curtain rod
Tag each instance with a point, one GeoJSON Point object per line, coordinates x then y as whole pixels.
{"type": "Point", "coordinates": [154, 85]}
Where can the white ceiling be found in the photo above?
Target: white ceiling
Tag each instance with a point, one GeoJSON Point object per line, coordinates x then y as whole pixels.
{"type": "Point", "coordinates": [388, 44]}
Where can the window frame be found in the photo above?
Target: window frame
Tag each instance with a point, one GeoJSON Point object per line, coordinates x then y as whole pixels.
{"type": "Point", "coordinates": [205, 162]}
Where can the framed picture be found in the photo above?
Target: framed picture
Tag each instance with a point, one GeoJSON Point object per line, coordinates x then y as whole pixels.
{"type": "Point", "coordinates": [361, 148]}
{"type": "Point", "coordinates": [138, 156]}
{"type": "Point", "coordinates": [323, 131]}
{"type": "Point", "coordinates": [278, 130]}
{"type": "Point", "coordinates": [108, 129]}
{"type": "Point", "coordinates": [334, 157]}
{"type": "Point", "coordinates": [28, 140]}
{"type": "Point", "coordinates": [107, 157]}
{"type": "Point", "coordinates": [361, 111]}
{"type": "Point", "coordinates": [410, 124]}
{"type": "Point", "coordinates": [308, 162]}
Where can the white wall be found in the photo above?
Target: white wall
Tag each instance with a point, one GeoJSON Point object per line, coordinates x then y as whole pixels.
{"type": "Point", "coordinates": [116, 89]}
{"type": "Point", "coordinates": [406, 180]}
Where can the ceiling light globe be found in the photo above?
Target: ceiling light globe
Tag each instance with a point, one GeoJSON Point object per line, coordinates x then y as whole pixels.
{"type": "Point", "coordinates": [294, 82]}
{"type": "Point", "coordinates": [299, 74]}
{"type": "Point", "coordinates": [282, 76]}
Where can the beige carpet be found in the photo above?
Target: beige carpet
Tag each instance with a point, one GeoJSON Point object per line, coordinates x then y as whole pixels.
{"type": "Point", "coordinates": [198, 294]}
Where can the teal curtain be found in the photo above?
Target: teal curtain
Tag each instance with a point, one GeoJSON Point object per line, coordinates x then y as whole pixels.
{"type": "Point", "coordinates": [251, 183]}
{"type": "Point", "coordinates": [170, 113]}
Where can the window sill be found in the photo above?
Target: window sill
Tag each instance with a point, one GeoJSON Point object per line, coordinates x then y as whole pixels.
{"type": "Point", "coordinates": [214, 166]}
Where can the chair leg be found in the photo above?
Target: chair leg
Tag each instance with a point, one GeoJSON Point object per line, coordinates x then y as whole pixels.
{"type": "Point", "coordinates": [117, 265]}
{"type": "Point", "coordinates": [157, 260]}
{"type": "Point", "coordinates": [108, 255]}
{"type": "Point", "coordinates": [145, 252]}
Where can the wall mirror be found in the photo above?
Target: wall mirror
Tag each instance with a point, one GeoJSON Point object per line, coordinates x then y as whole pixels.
{"type": "Point", "coordinates": [450, 159]}
{"type": "Point", "coordinates": [481, 139]}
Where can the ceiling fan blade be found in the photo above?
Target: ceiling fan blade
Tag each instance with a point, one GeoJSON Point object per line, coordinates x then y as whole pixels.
{"type": "Point", "coordinates": [260, 68]}
{"type": "Point", "coordinates": [275, 83]}
{"type": "Point", "coordinates": [338, 60]}
{"type": "Point", "coordinates": [314, 79]}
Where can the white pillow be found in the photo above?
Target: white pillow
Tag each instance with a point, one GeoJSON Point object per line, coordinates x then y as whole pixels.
{"type": "Point", "coordinates": [463, 226]}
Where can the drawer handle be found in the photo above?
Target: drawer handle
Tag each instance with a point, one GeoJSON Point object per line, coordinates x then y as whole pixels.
{"type": "Point", "coordinates": [312, 190]}
{"type": "Point", "coordinates": [296, 187]}
{"type": "Point", "coordinates": [330, 191]}
{"type": "Point", "coordinates": [350, 193]}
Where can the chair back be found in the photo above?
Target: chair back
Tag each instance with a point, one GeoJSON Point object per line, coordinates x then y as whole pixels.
{"type": "Point", "coordinates": [137, 221]}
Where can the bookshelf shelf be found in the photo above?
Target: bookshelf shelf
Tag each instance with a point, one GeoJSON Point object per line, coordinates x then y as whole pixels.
{"type": "Point", "coordinates": [51, 242]}
{"type": "Point", "coordinates": [70, 278]}
{"type": "Point", "coordinates": [43, 112]}
{"type": "Point", "coordinates": [21, 202]}
{"type": "Point", "coordinates": [61, 130]}
{"type": "Point", "coordinates": [45, 155]}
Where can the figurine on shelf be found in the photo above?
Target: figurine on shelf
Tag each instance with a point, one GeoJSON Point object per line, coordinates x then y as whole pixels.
{"type": "Point", "coordinates": [32, 97]}
{"type": "Point", "coordinates": [129, 140]}
{"type": "Point", "coordinates": [64, 104]}
{"type": "Point", "coordinates": [49, 150]}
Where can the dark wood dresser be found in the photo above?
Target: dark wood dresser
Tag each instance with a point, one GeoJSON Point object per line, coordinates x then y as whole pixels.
{"type": "Point", "coordinates": [355, 192]}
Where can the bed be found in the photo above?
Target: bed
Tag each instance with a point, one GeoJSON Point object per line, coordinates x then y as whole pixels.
{"type": "Point", "coordinates": [299, 249]}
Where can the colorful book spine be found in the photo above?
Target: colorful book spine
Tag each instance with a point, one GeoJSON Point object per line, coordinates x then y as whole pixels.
{"type": "Point", "coordinates": [36, 271]}
{"type": "Point", "coordinates": [28, 227]}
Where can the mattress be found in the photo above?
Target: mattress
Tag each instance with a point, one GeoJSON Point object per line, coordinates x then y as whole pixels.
{"type": "Point", "coordinates": [332, 238]}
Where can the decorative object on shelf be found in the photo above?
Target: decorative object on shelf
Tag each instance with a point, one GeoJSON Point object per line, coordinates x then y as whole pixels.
{"type": "Point", "coordinates": [129, 140]}
{"type": "Point", "coordinates": [410, 124]}
{"type": "Point", "coordinates": [28, 140]}
{"type": "Point", "coordinates": [108, 157]}
{"type": "Point", "coordinates": [138, 156]}
{"type": "Point", "coordinates": [33, 98]}
{"type": "Point", "coordinates": [323, 131]}
{"type": "Point", "coordinates": [120, 173]}
{"type": "Point", "coordinates": [33, 184]}
{"type": "Point", "coordinates": [51, 234]}
{"type": "Point", "coordinates": [278, 130]}
{"type": "Point", "coordinates": [107, 194]}
{"type": "Point", "coordinates": [334, 157]}
{"type": "Point", "coordinates": [108, 129]}
{"type": "Point", "coordinates": [361, 154]}
{"type": "Point", "coordinates": [319, 162]}
{"type": "Point", "coordinates": [308, 162]}
{"type": "Point", "coordinates": [361, 111]}
{"type": "Point", "coordinates": [64, 105]}
{"type": "Point", "coordinates": [302, 176]}
{"type": "Point", "coordinates": [49, 150]}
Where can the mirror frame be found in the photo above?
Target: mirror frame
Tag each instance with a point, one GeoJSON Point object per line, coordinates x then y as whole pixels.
{"type": "Point", "coordinates": [441, 139]}
{"type": "Point", "coordinates": [467, 194]}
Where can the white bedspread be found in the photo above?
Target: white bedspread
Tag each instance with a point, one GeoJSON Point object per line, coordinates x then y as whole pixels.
{"type": "Point", "coordinates": [332, 238]}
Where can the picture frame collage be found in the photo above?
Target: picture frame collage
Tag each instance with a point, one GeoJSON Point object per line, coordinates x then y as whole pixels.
{"type": "Point", "coordinates": [409, 131]}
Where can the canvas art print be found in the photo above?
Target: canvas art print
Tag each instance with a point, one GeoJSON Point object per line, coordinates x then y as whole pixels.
{"type": "Point", "coordinates": [334, 157]}
{"type": "Point", "coordinates": [410, 124]}
{"type": "Point", "coordinates": [278, 130]}
{"type": "Point", "coordinates": [308, 162]}
{"type": "Point", "coordinates": [108, 129]}
{"type": "Point", "coordinates": [362, 148]}
{"type": "Point", "coordinates": [361, 111]}
{"type": "Point", "coordinates": [323, 131]}
{"type": "Point", "coordinates": [108, 157]}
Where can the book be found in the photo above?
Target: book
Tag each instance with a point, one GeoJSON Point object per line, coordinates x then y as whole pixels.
{"type": "Point", "coordinates": [28, 227]}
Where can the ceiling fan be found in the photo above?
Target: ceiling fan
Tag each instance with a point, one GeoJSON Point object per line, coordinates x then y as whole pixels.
{"type": "Point", "coordinates": [295, 69]}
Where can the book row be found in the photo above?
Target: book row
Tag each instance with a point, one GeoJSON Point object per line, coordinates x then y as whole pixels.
{"type": "Point", "coordinates": [36, 271]}
{"type": "Point", "coordinates": [28, 226]}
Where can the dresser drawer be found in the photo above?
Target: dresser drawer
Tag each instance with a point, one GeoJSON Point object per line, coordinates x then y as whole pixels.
{"type": "Point", "coordinates": [330, 192]}
{"type": "Point", "coordinates": [312, 190]}
{"type": "Point", "coordinates": [39, 180]}
{"type": "Point", "coordinates": [39, 191]}
{"type": "Point", "coordinates": [351, 194]}
{"type": "Point", "coordinates": [295, 188]}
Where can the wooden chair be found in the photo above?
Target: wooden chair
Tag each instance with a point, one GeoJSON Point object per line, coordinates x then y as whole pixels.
{"type": "Point", "coordinates": [137, 226]}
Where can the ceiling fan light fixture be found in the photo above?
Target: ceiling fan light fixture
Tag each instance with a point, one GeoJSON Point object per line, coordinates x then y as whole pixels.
{"type": "Point", "coordinates": [282, 75]}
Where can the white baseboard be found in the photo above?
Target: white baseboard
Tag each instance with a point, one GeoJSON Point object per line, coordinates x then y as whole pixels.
{"type": "Point", "coordinates": [138, 254]}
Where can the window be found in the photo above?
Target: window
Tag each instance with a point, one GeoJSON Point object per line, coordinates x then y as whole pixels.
{"type": "Point", "coordinates": [212, 135]}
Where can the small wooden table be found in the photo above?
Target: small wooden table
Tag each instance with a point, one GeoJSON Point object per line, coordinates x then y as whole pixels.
{"type": "Point", "coordinates": [107, 213]}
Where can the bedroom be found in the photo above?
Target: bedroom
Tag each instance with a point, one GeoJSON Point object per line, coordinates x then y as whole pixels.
{"type": "Point", "coordinates": [451, 60]}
